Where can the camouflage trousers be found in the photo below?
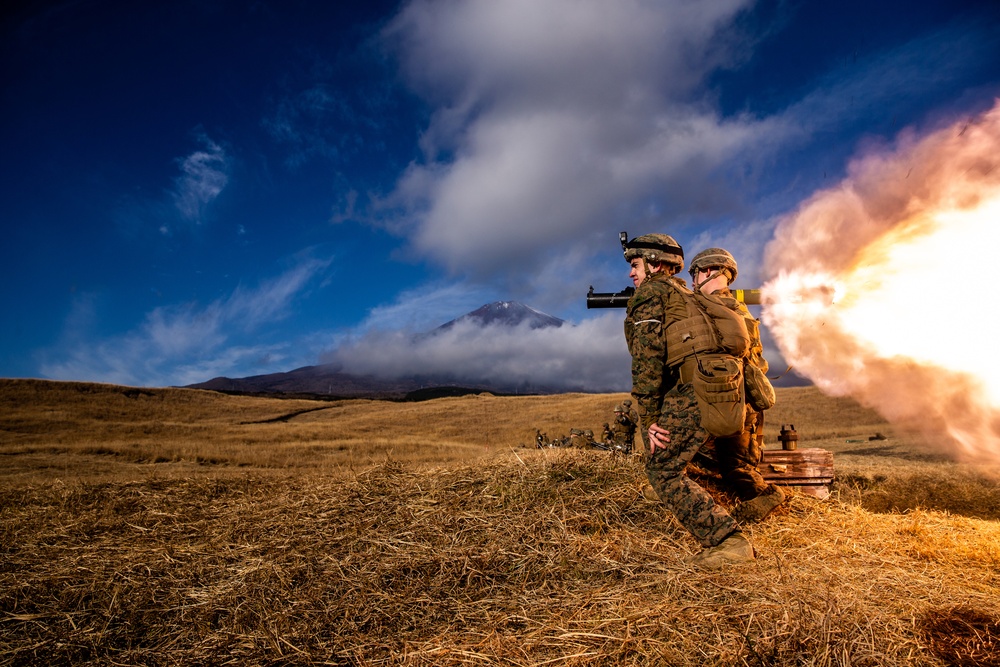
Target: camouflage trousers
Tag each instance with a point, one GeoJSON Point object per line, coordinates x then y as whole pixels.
{"type": "Point", "coordinates": [686, 499]}
{"type": "Point", "coordinates": [738, 456]}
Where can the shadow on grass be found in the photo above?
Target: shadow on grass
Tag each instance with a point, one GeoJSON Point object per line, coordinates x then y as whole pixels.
{"type": "Point", "coordinates": [893, 451]}
{"type": "Point", "coordinates": [962, 636]}
{"type": "Point", "coordinates": [970, 495]}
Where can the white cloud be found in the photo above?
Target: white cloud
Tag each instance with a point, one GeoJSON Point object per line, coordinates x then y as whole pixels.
{"type": "Point", "coordinates": [574, 51]}
{"type": "Point", "coordinates": [402, 339]}
{"type": "Point", "coordinates": [590, 356]}
{"type": "Point", "coordinates": [204, 174]}
{"type": "Point", "coordinates": [187, 343]}
{"type": "Point", "coordinates": [558, 120]}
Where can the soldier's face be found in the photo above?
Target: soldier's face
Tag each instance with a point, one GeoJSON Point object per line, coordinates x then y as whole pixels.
{"type": "Point", "coordinates": [638, 272]}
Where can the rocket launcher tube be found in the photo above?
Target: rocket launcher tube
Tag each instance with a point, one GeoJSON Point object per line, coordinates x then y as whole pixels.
{"type": "Point", "coordinates": [750, 297]}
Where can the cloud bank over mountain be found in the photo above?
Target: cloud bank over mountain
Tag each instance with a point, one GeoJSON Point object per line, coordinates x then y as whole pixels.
{"type": "Point", "coordinates": [588, 356]}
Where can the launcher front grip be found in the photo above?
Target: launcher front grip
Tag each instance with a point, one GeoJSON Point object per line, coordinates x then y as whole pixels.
{"type": "Point", "coordinates": [750, 297]}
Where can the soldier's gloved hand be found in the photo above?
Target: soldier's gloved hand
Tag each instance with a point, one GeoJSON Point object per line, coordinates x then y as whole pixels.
{"type": "Point", "coordinates": [659, 437]}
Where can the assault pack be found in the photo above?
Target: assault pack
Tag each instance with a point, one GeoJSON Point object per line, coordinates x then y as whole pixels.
{"type": "Point", "coordinates": [710, 327]}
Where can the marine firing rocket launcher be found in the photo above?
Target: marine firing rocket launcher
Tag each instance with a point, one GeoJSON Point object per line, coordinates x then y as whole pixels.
{"type": "Point", "coordinates": [810, 470]}
{"type": "Point", "coordinates": [751, 297]}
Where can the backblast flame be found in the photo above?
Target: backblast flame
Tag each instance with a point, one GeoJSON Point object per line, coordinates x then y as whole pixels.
{"type": "Point", "coordinates": [882, 287]}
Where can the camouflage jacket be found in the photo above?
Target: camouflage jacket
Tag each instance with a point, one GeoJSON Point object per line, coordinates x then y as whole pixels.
{"type": "Point", "coordinates": [756, 354]}
{"type": "Point", "coordinates": [626, 422]}
{"type": "Point", "coordinates": [654, 306]}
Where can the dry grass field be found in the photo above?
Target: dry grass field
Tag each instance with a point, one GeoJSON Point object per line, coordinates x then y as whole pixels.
{"type": "Point", "coordinates": [179, 527]}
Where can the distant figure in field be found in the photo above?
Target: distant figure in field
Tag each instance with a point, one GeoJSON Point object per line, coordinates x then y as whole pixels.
{"type": "Point", "coordinates": [623, 431]}
{"type": "Point", "coordinates": [583, 439]}
{"type": "Point", "coordinates": [630, 411]}
{"type": "Point", "coordinates": [541, 440]}
{"type": "Point", "coordinates": [713, 271]}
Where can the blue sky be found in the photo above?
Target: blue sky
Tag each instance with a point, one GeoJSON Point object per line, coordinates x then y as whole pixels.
{"type": "Point", "coordinates": [195, 189]}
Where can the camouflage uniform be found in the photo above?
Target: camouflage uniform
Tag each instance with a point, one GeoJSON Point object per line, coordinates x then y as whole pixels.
{"type": "Point", "coordinates": [631, 422]}
{"type": "Point", "coordinates": [623, 431]}
{"type": "Point", "coordinates": [578, 439]}
{"type": "Point", "coordinates": [633, 418]}
{"type": "Point", "coordinates": [662, 399]}
{"type": "Point", "coordinates": [739, 455]}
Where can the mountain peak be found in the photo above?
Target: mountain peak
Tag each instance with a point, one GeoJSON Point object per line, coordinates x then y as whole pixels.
{"type": "Point", "coordinates": [508, 314]}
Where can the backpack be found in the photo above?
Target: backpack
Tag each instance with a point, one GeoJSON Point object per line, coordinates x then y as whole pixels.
{"type": "Point", "coordinates": [711, 327]}
{"type": "Point", "coordinates": [712, 342]}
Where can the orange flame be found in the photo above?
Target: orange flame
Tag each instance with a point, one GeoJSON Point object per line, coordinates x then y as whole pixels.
{"type": "Point", "coordinates": [883, 286]}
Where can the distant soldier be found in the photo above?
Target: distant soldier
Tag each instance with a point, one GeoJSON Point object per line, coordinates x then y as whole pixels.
{"type": "Point", "coordinates": [630, 411]}
{"type": "Point", "coordinates": [712, 271]}
{"type": "Point", "coordinates": [606, 435]}
{"type": "Point", "coordinates": [541, 440]}
{"type": "Point", "coordinates": [623, 431]}
{"type": "Point", "coordinates": [633, 419]}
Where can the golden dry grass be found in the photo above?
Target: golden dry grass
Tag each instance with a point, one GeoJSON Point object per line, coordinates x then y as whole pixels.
{"type": "Point", "coordinates": [478, 552]}
{"type": "Point", "coordinates": [103, 432]}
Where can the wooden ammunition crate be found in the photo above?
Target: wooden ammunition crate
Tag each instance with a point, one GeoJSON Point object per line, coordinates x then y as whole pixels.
{"type": "Point", "coordinates": [807, 470]}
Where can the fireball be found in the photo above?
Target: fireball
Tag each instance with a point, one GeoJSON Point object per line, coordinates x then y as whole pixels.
{"type": "Point", "coordinates": [882, 286]}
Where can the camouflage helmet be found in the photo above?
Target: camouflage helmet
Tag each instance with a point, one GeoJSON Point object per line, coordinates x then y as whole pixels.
{"type": "Point", "coordinates": [714, 257]}
{"type": "Point", "coordinates": [655, 248]}
{"type": "Point", "coordinates": [627, 402]}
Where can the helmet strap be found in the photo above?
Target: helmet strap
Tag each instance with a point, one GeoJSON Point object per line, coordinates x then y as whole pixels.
{"type": "Point", "coordinates": [711, 277]}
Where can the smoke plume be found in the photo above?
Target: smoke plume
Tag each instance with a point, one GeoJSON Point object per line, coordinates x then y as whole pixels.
{"type": "Point", "coordinates": [880, 287]}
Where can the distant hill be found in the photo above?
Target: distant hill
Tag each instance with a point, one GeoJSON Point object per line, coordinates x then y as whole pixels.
{"type": "Point", "coordinates": [323, 380]}
{"type": "Point", "coordinates": [330, 380]}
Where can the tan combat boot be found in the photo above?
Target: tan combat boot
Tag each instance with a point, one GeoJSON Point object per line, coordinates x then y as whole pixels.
{"type": "Point", "coordinates": [733, 550]}
{"type": "Point", "coordinates": [757, 509]}
{"type": "Point", "coordinates": [649, 494]}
